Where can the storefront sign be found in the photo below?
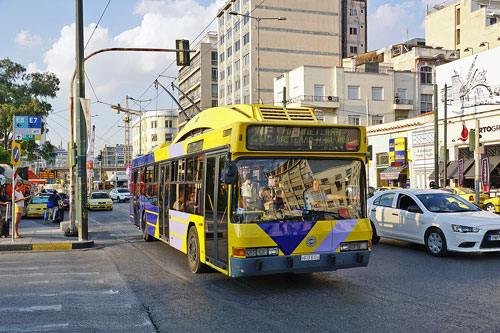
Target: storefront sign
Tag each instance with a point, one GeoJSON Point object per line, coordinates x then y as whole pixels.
{"type": "Point", "coordinates": [485, 173]}
{"type": "Point", "coordinates": [461, 172]}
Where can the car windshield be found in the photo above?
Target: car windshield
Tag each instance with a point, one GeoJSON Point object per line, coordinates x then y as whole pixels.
{"type": "Point", "coordinates": [466, 190]}
{"type": "Point", "coordinates": [123, 190]}
{"type": "Point", "coordinates": [39, 200]}
{"type": "Point", "coordinates": [99, 196]}
{"type": "Point", "coordinates": [279, 190]}
{"type": "Point", "coordinates": [445, 203]}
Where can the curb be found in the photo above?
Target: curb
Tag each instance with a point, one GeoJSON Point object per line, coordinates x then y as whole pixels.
{"type": "Point", "coordinates": [47, 246]}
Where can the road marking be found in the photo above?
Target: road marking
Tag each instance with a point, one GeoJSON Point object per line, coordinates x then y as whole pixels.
{"type": "Point", "coordinates": [48, 247]}
{"type": "Point", "coordinates": [65, 293]}
{"type": "Point", "coordinates": [24, 328]}
{"type": "Point", "coordinates": [43, 274]}
{"type": "Point", "coordinates": [94, 220]}
{"type": "Point", "coordinates": [34, 308]}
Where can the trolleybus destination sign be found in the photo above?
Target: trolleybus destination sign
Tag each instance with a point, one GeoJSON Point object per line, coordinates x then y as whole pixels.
{"type": "Point", "coordinates": [303, 138]}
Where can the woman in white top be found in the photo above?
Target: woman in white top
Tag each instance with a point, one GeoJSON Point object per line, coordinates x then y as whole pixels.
{"type": "Point", "coordinates": [19, 205]}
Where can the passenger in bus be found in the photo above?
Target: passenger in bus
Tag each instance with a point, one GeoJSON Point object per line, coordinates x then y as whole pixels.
{"type": "Point", "coordinates": [265, 200]}
{"type": "Point", "coordinates": [190, 206]}
{"type": "Point", "coordinates": [179, 204]}
{"type": "Point", "coordinates": [249, 193]}
{"type": "Point", "coordinates": [314, 197]}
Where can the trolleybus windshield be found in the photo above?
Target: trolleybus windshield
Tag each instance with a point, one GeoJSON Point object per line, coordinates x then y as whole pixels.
{"type": "Point", "coordinates": [272, 190]}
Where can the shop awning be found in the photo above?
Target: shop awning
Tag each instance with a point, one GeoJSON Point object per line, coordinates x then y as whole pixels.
{"type": "Point", "coordinates": [34, 179]}
{"type": "Point", "coordinates": [441, 171]}
{"type": "Point", "coordinates": [392, 172]}
{"type": "Point", "coordinates": [471, 173]}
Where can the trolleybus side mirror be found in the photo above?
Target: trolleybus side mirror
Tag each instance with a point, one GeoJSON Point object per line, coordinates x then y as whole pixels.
{"type": "Point", "coordinates": [230, 172]}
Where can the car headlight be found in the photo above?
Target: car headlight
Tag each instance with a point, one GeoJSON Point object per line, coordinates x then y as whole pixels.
{"type": "Point", "coordinates": [32, 209]}
{"type": "Point", "coordinates": [463, 228]}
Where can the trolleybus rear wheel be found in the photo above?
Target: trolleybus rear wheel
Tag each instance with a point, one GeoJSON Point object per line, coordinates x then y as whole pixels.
{"type": "Point", "coordinates": [193, 252]}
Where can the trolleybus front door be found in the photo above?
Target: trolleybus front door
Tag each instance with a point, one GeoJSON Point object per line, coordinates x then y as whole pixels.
{"type": "Point", "coordinates": [216, 212]}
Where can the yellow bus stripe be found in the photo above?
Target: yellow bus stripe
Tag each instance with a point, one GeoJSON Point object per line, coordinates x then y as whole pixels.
{"type": "Point", "coordinates": [148, 211]}
{"type": "Point", "coordinates": [151, 224]}
{"type": "Point", "coordinates": [48, 247]}
{"type": "Point", "coordinates": [174, 218]}
{"type": "Point", "coordinates": [173, 233]}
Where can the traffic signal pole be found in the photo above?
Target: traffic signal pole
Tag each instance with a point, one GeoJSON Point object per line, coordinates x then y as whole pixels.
{"type": "Point", "coordinates": [81, 132]}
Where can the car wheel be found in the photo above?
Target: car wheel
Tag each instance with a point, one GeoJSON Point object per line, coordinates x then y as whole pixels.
{"type": "Point", "coordinates": [147, 237]}
{"type": "Point", "coordinates": [435, 242]}
{"type": "Point", "coordinates": [490, 208]}
{"type": "Point", "coordinates": [375, 237]}
{"type": "Point", "coordinates": [193, 252]}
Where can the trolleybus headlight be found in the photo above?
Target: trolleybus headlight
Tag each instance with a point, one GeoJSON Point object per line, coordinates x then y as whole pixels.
{"type": "Point", "coordinates": [273, 251]}
{"type": "Point", "coordinates": [251, 252]}
{"type": "Point", "coordinates": [353, 246]}
{"type": "Point", "coordinates": [262, 251]}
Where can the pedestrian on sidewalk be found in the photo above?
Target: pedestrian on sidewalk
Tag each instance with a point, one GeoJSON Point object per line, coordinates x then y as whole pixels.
{"type": "Point", "coordinates": [55, 200]}
{"type": "Point", "coordinates": [19, 206]}
{"type": "Point", "coordinates": [4, 201]}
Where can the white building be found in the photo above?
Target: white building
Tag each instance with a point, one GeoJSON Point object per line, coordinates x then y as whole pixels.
{"type": "Point", "coordinates": [153, 129]}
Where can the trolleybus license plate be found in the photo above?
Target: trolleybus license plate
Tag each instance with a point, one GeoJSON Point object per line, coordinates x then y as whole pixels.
{"type": "Point", "coordinates": [309, 257]}
{"type": "Point", "coordinates": [494, 237]}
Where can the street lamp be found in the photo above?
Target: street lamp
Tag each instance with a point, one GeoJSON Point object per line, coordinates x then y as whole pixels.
{"type": "Point", "coordinates": [258, 19]}
{"type": "Point", "coordinates": [467, 49]}
{"type": "Point", "coordinates": [140, 101]}
{"type": "Point", "coordinates": [484, 43]}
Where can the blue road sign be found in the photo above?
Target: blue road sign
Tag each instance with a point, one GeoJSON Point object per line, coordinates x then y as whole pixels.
{"type": "Point", "coordinates": [21, 122]}
{"type": "Point", "coordinates": [35, 122]}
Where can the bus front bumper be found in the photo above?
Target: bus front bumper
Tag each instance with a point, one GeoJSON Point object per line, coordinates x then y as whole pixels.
{"type": "Point", "coordinates": [296, 264]}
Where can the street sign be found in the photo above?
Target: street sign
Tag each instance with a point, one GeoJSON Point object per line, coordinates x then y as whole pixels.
{"type": "Point", "coordinates": [27, 128]}
{"type": "Point", "coordinates": [15, 158]}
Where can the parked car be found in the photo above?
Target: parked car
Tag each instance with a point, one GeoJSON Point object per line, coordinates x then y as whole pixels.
{"type": "Point", "coordinates": [492, 205]}
{"type": "Point", "coordinates": [100, 200]}
{"type": "Point", "coordinates": [65, 200]}
{"type": "Point", "coordinates": [386, 188]}
{"type": "Point", "coordinates": [120, 194]}
{"type": "Point", "coordinates": [441, 221]}
{"type": "Point", "coordinates": [37, 205]}
{"type": "Point", "coordinates": [469, 194]}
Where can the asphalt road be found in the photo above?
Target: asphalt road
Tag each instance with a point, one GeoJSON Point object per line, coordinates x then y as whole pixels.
{"type": "Point", "coordinates": [126, 284]}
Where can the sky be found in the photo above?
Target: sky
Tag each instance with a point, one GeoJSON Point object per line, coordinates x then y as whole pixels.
{"type": "Point", "coordinates": [40, 35]}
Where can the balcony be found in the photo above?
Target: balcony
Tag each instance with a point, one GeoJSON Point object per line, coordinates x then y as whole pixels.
{"type": "Point", "coordinates": [326, 103]}
{"type": "Point", "coordinates": [403, 104]}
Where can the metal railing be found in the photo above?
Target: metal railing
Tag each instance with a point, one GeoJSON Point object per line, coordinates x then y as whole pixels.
{"type": "Point", "coordinates": [310, 98]}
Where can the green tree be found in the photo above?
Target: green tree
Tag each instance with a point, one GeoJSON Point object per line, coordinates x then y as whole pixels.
{"type": "Point", "coordinates": [23, 94]}
{"type": "Point", "coordinates": [4, 156]}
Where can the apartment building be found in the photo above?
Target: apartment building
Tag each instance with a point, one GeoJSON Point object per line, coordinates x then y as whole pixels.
{"type": "Point", "coordinates": [199, 80]}
{"type": "Point", "coordinates": [470, 26]}
{"type": "Point", "coordinates": [153, 129]}
{"type": "Point", "coordinates": [414, 56]}
{"type": "Point", "coordinates": [114, 156]}
{"type": "Point", "coordinates": [260, 41]}
{"type": "Point", "coordinates": [365, 95]}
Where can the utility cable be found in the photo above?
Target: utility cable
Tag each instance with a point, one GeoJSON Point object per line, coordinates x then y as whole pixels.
{"type": "Point", "coordinates": [97, 24]}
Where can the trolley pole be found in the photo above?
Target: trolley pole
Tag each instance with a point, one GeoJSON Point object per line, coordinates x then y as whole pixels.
{"type": "Point", "coordinates": [81, 132]}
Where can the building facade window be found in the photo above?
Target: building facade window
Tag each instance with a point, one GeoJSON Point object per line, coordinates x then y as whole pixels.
{"type": "Point", "coordinates": [425, 103]}
{"type": "Point", "coordinates": [154, 124]}
{"type": "Point", "coordinates": [246, 59]}
{"type": "Point", "coordinates": [237, 65]}
{"type": "Point", "coordinates": [426, 75]}
{"type": "Point", "coordinates": [222, 57]}
{"type": "Point", "coordinates": [214, 90]}
{"type": "Point", "coordinates": [237, 26]}
{"type": "Point", "coordinates": [237, 84]}
{"type": "Point", "coordinates": [214, 103]}
{"type": "Point", "coordinates": [222, 39]}
{"type": "Point", "coordinates": [246, 18]}
{"type": "Point", "coordinates": [353, 49]}
{"type": "Point", "coordinates": [353, 92]}
{"type": "Point", "coordinates": [229, 33]}
{"type": "Point", "coordinates": [154, 137]}
{"type": "Point", "coordinates": [229, 70]}
{"type": "Point", "coordinates": [458, 36]}
{"type": "Point", "coordinates": [353, 31]}
{"type": "Point", "coordinates": [354, 120]}
{"type": "Point", "coordinates": [401, 94]}
{"type": "Point", "coordinates": [353, 12]}
{"type": "Point", "coordinates": [169, 123]}
{"type": "Point", "coordinates": [246, 39]}
{"type": "Point", "coordinates": [377, 120]}
{"type": "Point", "coordinates": [168, 137]}
{"type": "Point", "coordinates": [221, 21]}
{"type": "Point", "coordinates": [229, 89]}
{"type": "Point", "coordinates": [236, 6]}
{"type": "Point", "coordinates": [214, 58]}
{"type": "Point", "coordinates": [222, 75]}
{"type": "Point", "coordinates": [377, 93]}
{"type": "Point", "coordinates": [214, 74]}
{"type": "Point", "coordinates": [246, 99]}
{"type": "Point", "coordinates": [229, 51]}
{"type": "Point", "coordinates": [319, 92]}
{"type": "Point", "coordinates": [237, 46]}
{"type": "Point", "coordinates": [222, 92]}
{"type": "Point", "coordinates": [246, 80]}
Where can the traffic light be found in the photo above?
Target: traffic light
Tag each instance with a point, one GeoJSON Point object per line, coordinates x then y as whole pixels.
{"type": "Point", "coordinates": [99, 157]}
{"type": "Point", "coordinates": [182, 54]}
{"type": "Point", "coordinates": [369, 153]}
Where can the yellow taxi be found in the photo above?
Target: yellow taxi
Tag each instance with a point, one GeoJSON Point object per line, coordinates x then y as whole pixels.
{"type": "Point", "coordinates": [469, 194]}
{"type": "Point", "coordinates": [37, 206]}
{"type": "Point", "coordinates": [386, 188]}
{"type": "Point", "coordinates": [100, 200]}
{"type": "Point", "coordinates": [492, 205]}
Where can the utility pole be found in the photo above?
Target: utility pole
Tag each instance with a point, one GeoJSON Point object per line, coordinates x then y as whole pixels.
{"type": "Point", "coordinates": [477, 163]}
{"type": "Point", "coordinates": [81, 131]}
{"type": "Point", "coordinates": [445, 134]}
{"type": "Point", "coordinates": [436, 137]}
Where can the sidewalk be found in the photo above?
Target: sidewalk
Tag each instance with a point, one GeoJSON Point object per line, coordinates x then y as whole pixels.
{"type": "Point", "coordinates": [39, 235]}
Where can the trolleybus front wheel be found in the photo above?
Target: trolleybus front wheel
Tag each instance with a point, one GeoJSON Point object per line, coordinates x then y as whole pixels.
{"type": "Point", "coordinates": [193, 252]}
{"type": "Point", "coordinates": [147, 237]}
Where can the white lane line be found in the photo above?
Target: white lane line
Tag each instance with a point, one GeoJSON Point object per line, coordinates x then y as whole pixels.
{"type": "Point", "coordinates": [91, 219]}
{"type": "Point", "coordinates": [37, 282]}
{"type": "Point", "coordinates": [44, 274]}
{"type": "Point", "coordinates": [40, 328]}
{"type": "Point", "coordinates": [65, 293]}
{"type": "Point", "coordinates": [34, 308]}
